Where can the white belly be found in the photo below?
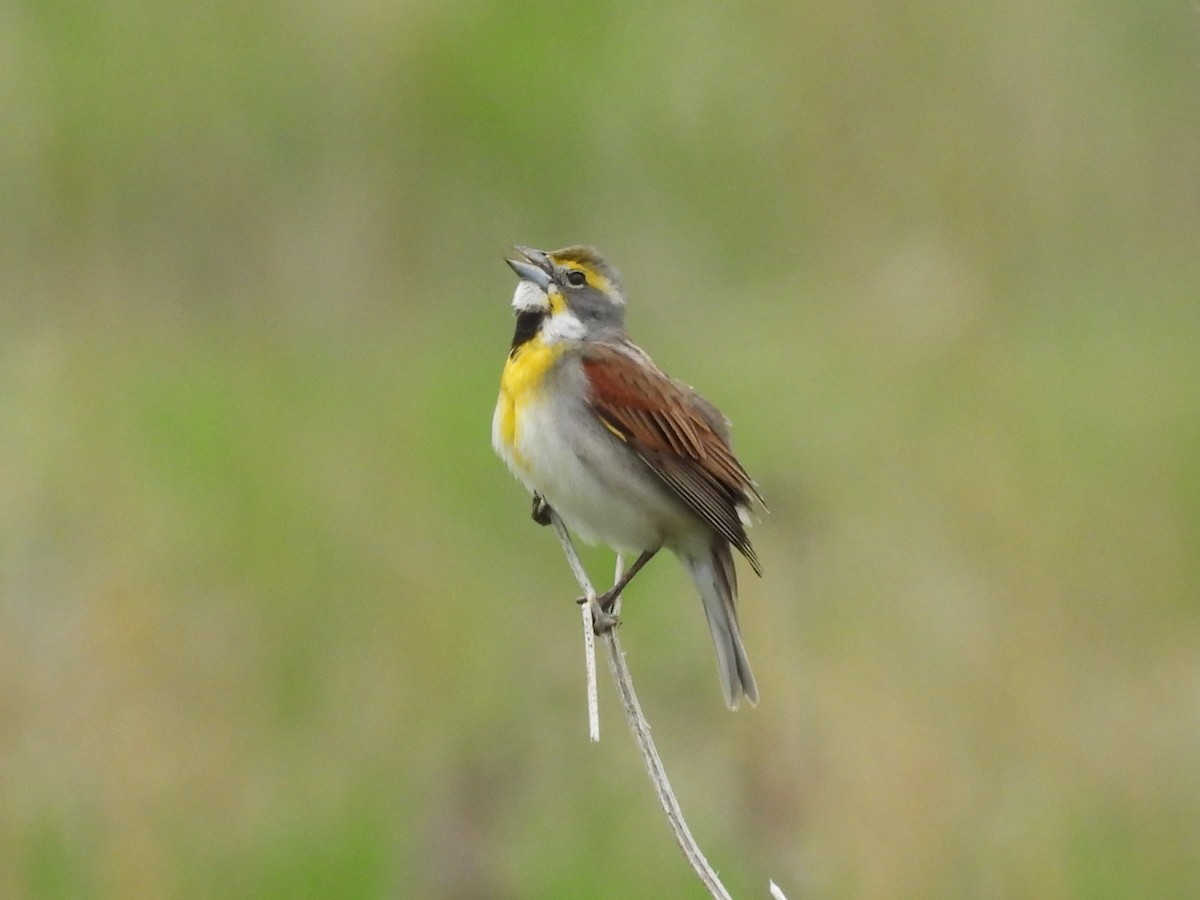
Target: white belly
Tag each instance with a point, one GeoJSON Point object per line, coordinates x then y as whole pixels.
{"type": "Point", "coordinates": [601, 491]}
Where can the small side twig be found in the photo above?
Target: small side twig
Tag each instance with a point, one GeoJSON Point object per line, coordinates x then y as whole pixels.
{"type": "Point", "coordinates": [589, 627]}
{"type": "Point", "coordinates": [639, 725]}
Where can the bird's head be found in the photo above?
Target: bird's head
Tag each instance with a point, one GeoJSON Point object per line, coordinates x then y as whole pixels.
{"type": "Point", "coordinates": [567, 294]}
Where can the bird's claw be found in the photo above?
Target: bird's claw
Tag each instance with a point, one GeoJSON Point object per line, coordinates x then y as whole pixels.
{"type": "Point", "coordinates": [604, 619]}
{"type": "Point", "coordinates": [541, 511]}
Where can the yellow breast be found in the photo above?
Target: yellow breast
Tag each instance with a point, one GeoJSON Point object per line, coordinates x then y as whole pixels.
{"type": "Point", "coordinates": [521, 385]}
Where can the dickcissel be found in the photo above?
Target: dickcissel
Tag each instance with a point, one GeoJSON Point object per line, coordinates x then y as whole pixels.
{"type": "Point", "coordinates": [625, 455]}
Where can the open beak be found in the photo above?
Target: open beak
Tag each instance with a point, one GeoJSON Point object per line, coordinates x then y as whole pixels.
{"type": "Point", "coordinates": [538, 269]}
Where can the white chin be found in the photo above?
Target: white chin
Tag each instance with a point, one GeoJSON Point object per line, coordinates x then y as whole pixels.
{"type": "Point", "coordinates": [529, 296]}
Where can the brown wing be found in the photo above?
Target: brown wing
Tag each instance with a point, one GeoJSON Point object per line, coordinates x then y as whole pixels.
{"type": "Point", "coordinates": [678, 434]}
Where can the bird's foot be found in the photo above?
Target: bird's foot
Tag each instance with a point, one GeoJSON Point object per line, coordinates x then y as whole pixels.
{"type": "Point", "coordinates": [604, 619]}
{"type": "Point", "coordinates": [541, 511]}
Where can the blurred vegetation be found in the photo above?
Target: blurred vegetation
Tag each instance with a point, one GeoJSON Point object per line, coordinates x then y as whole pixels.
{"type": "Point", "coordinates": [273, 620]}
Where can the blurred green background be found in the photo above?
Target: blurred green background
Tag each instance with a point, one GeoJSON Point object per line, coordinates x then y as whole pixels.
{"type": "Point", "coordinates": [274, 622]}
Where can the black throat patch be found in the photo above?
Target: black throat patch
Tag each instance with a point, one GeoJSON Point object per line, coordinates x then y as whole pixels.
{"type": "Point", "coordinates": [528, 323]}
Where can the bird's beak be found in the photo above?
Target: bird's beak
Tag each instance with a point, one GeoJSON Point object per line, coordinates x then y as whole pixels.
{"type": "Point", "coordinates": [538, 269]}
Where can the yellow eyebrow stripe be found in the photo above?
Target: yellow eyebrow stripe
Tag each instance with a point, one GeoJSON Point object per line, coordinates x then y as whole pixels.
{"type": "Point", "coordinates": [594, 278]}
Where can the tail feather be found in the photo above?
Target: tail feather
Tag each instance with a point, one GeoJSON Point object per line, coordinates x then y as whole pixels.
{"type": "Point", "coordinates": [716, 579]}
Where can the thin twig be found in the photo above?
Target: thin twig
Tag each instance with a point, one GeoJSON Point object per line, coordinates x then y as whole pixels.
{"type": "Point", "coordinates": [589, 661]}
{"type": "Point", "coordinates": [641, 728]}
{"type": "Point", "coordinates": [589, 629]}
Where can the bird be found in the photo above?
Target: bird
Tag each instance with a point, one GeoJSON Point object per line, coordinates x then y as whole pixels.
{"type": "Point", "coordinates": [626, 456]}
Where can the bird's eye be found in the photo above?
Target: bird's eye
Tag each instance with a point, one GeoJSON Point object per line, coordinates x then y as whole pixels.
{"type": "Point", "coordinates": [575, 278]}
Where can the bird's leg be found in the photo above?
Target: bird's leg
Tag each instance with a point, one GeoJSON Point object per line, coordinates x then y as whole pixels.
{"type": "Point", "coordinates": [603, 619]}
{"type": "Point", "coordinates": [609, 597]}
{"type": "Point", "coordinates": [541, 512]}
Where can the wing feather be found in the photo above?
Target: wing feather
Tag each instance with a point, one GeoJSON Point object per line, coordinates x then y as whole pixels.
{"type": "Point", "coordinates": [679, 435]}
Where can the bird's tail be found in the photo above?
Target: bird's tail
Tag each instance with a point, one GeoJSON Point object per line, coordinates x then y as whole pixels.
{"type": "Point", "coordinates": [716, 580]}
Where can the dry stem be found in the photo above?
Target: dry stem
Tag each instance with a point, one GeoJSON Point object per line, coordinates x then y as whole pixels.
{"type": "Point", "coordinates": [637, 721]}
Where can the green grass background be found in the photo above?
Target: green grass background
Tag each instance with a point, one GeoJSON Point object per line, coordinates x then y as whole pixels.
{"type": "Point", "coordinates": [275, 623]}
